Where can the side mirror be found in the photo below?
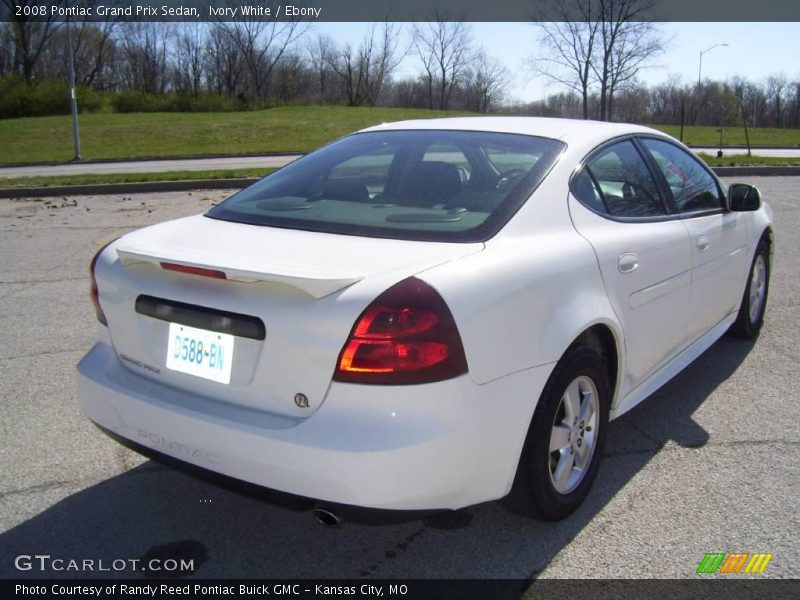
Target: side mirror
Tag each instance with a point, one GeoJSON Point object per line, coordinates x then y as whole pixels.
{"type": "Point", "coordinates": [743, 197]}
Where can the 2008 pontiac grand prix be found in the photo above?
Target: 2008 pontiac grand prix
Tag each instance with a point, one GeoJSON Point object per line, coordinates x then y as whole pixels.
{"type": "Point", "coordinates": [427, 314]}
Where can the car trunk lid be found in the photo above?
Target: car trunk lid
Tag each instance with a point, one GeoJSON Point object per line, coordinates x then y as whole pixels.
{"type": "Point", "coordinates": [305, 288]}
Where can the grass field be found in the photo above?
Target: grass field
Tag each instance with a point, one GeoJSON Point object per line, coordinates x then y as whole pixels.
{"type": "Point", "coordinates": [150, 135]}
{"type": "Point", "coordinates": [709, 136]}
{"type": "Point", "coordinates": [285, 129]}
{"type": "Point", "coordinates": [741, 160]}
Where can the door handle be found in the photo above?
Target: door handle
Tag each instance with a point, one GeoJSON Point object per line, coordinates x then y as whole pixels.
{"type": "Point", "coordinates": [703, 244]}
{"type": "Point", "coordinates": [628, 262]}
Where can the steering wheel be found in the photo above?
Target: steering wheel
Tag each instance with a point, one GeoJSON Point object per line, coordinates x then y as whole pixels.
{"type": "Point", "coordinates": [507, 178]}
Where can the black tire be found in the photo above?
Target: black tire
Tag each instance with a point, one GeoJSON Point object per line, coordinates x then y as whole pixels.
{"type": "Point", "coordinates": [534, 492]}
{"type": "Point", "coordinates": [745, 326]}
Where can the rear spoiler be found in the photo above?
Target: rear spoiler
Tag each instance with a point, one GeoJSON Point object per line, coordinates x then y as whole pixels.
{"type": "Point", "coordinates": [314, 283]}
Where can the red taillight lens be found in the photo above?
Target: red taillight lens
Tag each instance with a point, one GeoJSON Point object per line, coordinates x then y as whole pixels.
{"type": "Point", "coordinates": [194, 270]}
{"type": "Point", "coordinates": [95, 294]}
{"type": "Point", "coordinates": [406, 336]}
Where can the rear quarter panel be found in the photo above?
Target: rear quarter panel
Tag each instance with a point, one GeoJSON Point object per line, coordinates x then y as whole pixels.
{"type": "Point", "coordinates": [522, 301]}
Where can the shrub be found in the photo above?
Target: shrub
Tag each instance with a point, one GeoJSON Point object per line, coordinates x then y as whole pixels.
{"type": "Point", "coordinates": [202, 102]}
{"type": "Point", "coordinates": [134, 101]}
{"type": "Point", "coordinates": [49, 97]}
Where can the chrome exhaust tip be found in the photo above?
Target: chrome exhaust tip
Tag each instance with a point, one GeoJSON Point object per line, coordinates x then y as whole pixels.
{"type": "Point", "coordinates": [326, 517]}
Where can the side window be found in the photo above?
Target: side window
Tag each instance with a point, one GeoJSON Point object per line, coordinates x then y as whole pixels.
{"type": "Point", "coordinates": [617, 182]}
{"type": "Point", "coordinates": [692, 186]}
{"type": "Point", "coordinates": [586, 191]}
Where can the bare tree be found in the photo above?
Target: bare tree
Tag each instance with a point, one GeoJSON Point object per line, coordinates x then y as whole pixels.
{"type": "Point", "coordinates": [225, 65]}
{"type": "Point", "coordinates": [290, 78]}
{"type": "Point", "coordinates": [143, 55]}
{"type": "Point", "coordinates": [6, 49]}
{"type": "Point", "coordinates": [31, 34]}
{"type": "Point", "coordinates": [94, 50]}
{"type": "Point", "coordinates": [363, 70]}
{"type": "Point", "coordinates": [262, 45]}
{"type": "Point", "coordinates": [410, 93]}
{"type": "Point", "coordinates": [749, 96]}
{"type": "Point", "coordinates": [563, 105]}
{"type": "Point", "coordinates": [626, 44]}
{"type": "Point", "coordinates": [570, 46]}
{"type": "Point", "coordinates": [94, 53]}
{"type": "Point", "coordinates": [667, 100]}
{"type": "Point", "coordinates": [485, 83]}
{"type": "Point", "coordinates": [606, 47]}
{"type": "Point", "coordinates": [631, 102]}
{"type": "Point", "coordinates": [776, 86]}
{"type": "Point", "coordinates": [445, 48]}
{"type": "Point", "coordinates": [191, 55]}
{"type": "Point", "coordinates": [321, 51]}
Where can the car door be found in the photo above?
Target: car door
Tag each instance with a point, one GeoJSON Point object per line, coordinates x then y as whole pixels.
{"type": "Point", "coordinates": [643, 252]}
{"type": "Point", "coordinates": [718, 237]}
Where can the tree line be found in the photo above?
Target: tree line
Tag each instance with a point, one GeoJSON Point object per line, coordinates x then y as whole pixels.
{"type": "Point", "coordinates": [262, 63]}
{"type": "Point", "coordinates": [230, 66]}
{"type": "Point", "coordinates": [773, 101]}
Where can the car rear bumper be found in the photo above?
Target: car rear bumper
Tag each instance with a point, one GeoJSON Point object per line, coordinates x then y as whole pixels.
{"type": "Point", "coordinates": [443, 445]}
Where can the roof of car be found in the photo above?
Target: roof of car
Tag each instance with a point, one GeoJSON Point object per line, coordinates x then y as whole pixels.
{"type": "Point", "coordinates": [566, 130]}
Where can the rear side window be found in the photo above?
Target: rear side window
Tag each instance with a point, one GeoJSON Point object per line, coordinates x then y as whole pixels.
{"type": "Point", "coordinates": [693, 188]}
{"type": "Point", "coordinates": [432, 185]}
{"type": "Point", "coordinates": [616, 181]}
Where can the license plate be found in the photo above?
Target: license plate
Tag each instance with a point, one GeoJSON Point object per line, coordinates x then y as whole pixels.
{"type": "Point", "coordinates": [199, 352]}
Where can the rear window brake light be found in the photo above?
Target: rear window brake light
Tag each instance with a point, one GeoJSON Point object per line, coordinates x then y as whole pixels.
{"type": "Point", "coordinates": [216, 274]}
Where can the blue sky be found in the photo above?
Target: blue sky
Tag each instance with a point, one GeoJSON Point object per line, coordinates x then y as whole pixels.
{"type": "Point", "coordinates": [754, 50]}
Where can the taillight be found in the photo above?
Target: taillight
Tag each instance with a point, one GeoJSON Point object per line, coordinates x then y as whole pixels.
{"type": "Point", "coordinates": [194, 270]}
{"type": "Point", "coordinates": [95, 292]}
{"type": "Point", "coordinates": [406, 336]}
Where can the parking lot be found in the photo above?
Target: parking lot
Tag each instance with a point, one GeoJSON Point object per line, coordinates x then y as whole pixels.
{"type": "Point", "coordinates": [710, 463]}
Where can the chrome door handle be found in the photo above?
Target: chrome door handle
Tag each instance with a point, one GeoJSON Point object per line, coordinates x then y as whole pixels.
{"type": "Point", "coordinates": [628, 262]}
{"type": "Point", "coordinates": [703, 244]}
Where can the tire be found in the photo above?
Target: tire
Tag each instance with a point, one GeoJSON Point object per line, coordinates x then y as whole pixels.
{"type": "Point", "coordinates": [754, 301]}
{"type": "Point", "coordinates": [547, 486]}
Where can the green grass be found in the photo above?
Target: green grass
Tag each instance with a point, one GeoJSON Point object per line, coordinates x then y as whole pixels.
{"type": "Point", "coordinates": [285, 129]}
{"type": "Point", "coordinates": [150, 135]}
{"type": "Point", "coordinates": [58, 180]}
{"type": "Point", "coordinates": [709, 136]}
{"type": "Point", "coordinates": [741, 160]}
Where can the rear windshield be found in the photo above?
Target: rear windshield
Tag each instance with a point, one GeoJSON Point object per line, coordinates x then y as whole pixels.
{"type": "Point", "coordinates": [454, 186]}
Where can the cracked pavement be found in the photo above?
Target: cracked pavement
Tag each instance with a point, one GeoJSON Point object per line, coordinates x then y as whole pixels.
{"type": "Point", "coordinates": [710, 463]}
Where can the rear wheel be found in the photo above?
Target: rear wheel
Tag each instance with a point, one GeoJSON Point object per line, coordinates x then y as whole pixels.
{"type": "Point", "coordinates": [565, 440]}
{"type": "Point", "coordinates": [754, 302]}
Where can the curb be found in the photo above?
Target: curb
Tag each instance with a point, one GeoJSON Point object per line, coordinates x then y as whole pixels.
{"type": "Point", "coordinates": [228, 184]}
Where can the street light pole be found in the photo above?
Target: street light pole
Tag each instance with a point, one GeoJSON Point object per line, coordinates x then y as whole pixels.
{"type": "Point", "coordinates": [700, 68]}
{"type": "Point", "coordinates": [73, 101]}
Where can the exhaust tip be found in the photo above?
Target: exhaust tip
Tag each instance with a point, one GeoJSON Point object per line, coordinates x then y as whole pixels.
{"type": "Point", "coordinates": [326, 517]}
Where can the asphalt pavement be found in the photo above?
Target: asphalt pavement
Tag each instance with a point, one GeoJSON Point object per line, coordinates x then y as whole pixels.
{"type": "Point", "coordinates": [709, 463]}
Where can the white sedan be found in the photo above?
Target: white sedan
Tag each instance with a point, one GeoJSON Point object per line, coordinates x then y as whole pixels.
{"type": "Point", "coordinates": [426, 314]}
